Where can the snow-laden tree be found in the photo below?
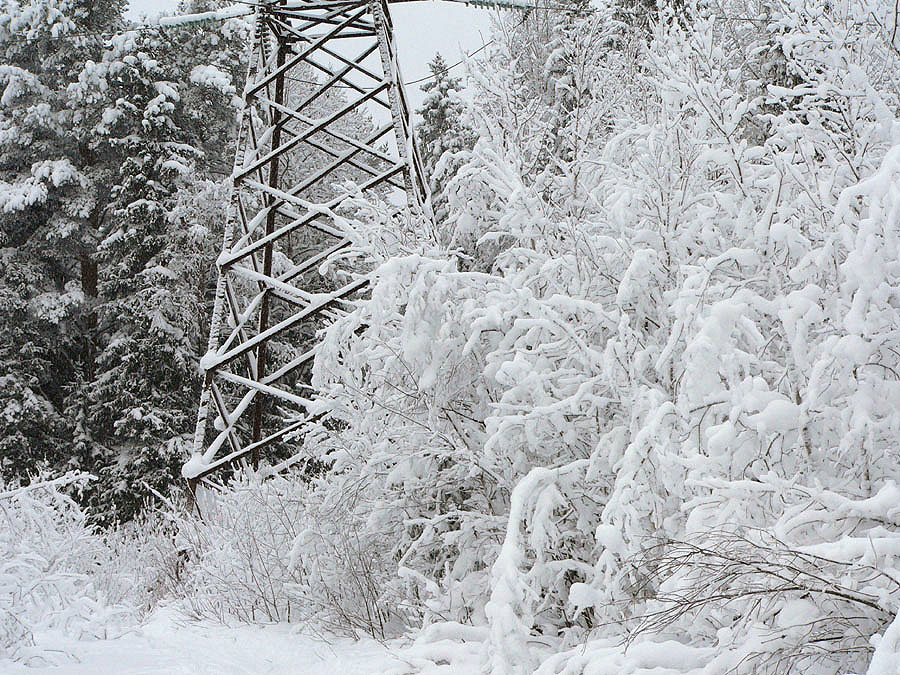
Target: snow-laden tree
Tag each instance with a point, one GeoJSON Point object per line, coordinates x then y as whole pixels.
{"type": "Point", "coordinates": [166, 114]}
{"type": "Point", "coordinates": [732, 278]}
{"type": "Point", "coordinates": [49, 218]}
{"type": "Point", "coordinates": [446, 415]}
{"type": "Point", "coordinates": [102, 129]}
{"type": "Point", "coordinates": [663, 405]}
{"type": "Point", "coordinates": [444, 133]}
{"type": "Point", "coordinates": [545, 103]}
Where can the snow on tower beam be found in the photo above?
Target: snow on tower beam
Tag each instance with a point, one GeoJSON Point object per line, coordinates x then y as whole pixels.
{"type": "Point", "coordinates": [269, 299]}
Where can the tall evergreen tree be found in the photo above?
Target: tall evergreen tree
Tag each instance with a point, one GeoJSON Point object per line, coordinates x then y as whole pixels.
{"type": "Point", "coordinates": [51, 208]}
{"type": "Point", "coordinates": [444, 133]}
{"type": "Point", "coordinates": [172, 95]}
{"type": "Point", "coordinates": [100, 137]}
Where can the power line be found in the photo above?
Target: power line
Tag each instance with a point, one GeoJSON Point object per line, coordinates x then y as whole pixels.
{"type": "Point", "coordinates": [162, 24]}
{"type": "Point", "coordinates": [452, 66]}
{"type": "Point", "coordinates": [88, 34]}
{"type": "Point", "coordinates": [421, 79]}
{"type": "Point", "coordinates": [408, 82]}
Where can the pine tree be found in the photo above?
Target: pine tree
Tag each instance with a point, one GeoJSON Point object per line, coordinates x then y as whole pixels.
{"type": "Point", "coordinates": [163, 104]}
{"type": "Point", "coordinates": [52, 207]}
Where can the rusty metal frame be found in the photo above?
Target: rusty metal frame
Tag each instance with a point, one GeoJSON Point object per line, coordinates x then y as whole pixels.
{"type": "Point", "coordinates": [256, 302]}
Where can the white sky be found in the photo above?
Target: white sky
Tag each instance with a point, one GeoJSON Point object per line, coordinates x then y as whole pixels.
{"type": "Point", "coordinates": [422, 28]}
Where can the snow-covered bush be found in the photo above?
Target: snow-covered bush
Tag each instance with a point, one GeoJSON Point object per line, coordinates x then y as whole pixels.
{"type": "Point", "coordinates": [61, 575]}
{"type": "Point", "coordinates": [142, 566]}
{"type": "Point", "coordinates": [345, 568]}
{"type": "Point", "coordinates": [665, 407]}
{"type": "Point", "coordinates": [239, 552]}
{"type": "Point", "coordinates": [48, 561]}
{"type": "Point", "coordinates": [274, 551]}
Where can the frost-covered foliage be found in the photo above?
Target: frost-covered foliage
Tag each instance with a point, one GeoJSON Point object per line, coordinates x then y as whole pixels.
{"type": "Point", "coordinates": [142, 567]}
{"type": "Point", "coordinates": [278, 551]}
{"type": "Point", "coordinates": [634, 408]}
{"type": "Point", "coordinates": [61, 578]}
{"type": "Point", "coordinates": [658, 400]}
{"type": "Point", "coordinates": [47, 558]}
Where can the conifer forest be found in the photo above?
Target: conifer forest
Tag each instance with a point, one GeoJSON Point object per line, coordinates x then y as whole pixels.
{"type": "Point", "coordinates": [602, 376]}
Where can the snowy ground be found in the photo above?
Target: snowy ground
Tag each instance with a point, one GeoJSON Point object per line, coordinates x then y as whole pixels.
{"type": "Point", "coordinates": [168, 644]}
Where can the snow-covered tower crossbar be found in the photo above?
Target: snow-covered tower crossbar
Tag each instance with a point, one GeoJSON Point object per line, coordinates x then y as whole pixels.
{"type": "Point", "coordinates": [304, 52]}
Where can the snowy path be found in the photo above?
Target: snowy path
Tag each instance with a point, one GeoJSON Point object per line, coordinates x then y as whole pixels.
{"type": "Point", "coordinates": [166, 644]}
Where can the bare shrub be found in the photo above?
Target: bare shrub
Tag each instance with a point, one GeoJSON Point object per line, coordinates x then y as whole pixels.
{"type": "Point", "coordinates": [347, 576]}
{"type": "Point", "coordinates": [276, 551]}
{"type": "Point", "coordinates": [781, 610]}
{"type": "Point", "coordinates": [143, 566]}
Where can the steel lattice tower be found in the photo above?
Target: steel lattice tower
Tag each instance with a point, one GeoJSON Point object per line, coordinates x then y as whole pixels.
{"type": "Point", "coordinates": [261, 296]}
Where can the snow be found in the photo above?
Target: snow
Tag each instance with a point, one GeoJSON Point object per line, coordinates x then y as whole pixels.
{"type": "Point", "coordinates": [193, 467]}
{"type": "Point", "coordinates": [209, 360]}
{"type": "Point", "coordinates": [218, 15]}
{"type": "Point", "coordinates": [176, 166]}
{"type": "Point", "coordinates": [886, 659]}
{"type": "Point", "coordinates": [210, 76]}
{"type": "Point", "coordinates": [779, 415]}
{"type": "Point", "coordinates": [643, 658]}
{"type": "Point", "coordinates": [169, 643]}
{"type": "Point", "coordinates": [649, 368]}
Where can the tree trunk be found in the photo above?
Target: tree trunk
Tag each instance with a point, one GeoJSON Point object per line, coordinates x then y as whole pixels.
{"type": "Point", "coordinates": [89, 276]}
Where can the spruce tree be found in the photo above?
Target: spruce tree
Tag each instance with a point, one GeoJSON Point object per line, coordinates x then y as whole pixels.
{"type": "Point", "coordinates": [443, 133]}
{"type": "Point", "coordinates": [51, 207]}
{"type": "Point", "coordinates": [166, 112]}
